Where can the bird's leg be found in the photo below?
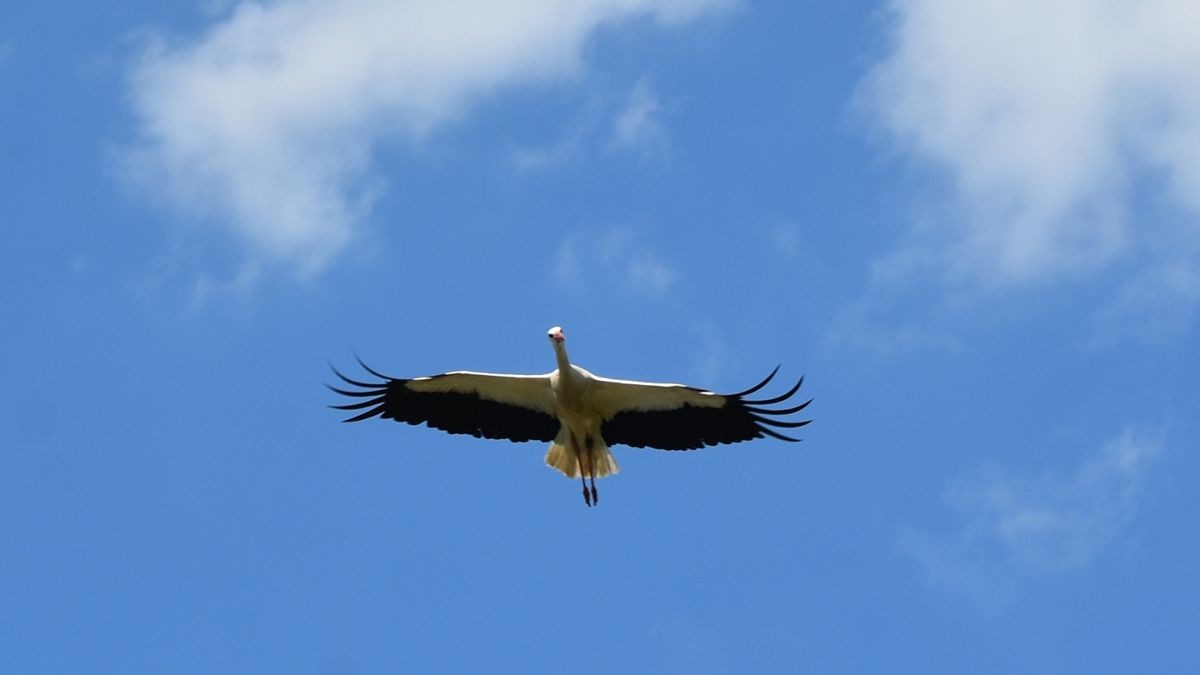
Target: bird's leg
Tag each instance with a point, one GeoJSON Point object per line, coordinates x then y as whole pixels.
{"type": "Point", "coordinates": [589, 442]}
{"type": "Point", "coordinates": [587, 498]}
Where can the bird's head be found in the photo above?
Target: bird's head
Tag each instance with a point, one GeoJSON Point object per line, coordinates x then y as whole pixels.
{"type": "Point", "coordinates": [556, 335]}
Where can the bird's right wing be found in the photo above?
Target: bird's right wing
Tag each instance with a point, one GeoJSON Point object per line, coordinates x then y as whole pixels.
{"type": "Point", "coordinates": [677, 417]}
{"type": "Point", "coordinates": [484, 405]}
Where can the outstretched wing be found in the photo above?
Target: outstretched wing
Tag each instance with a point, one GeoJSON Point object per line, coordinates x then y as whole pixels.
{"type": "Point", "coordinates": [484, 405]}
{"type": "Point", "coordinates": [676, 417]}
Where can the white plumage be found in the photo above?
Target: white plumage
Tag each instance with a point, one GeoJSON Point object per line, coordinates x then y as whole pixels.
{"type": "Point", "coordinates": [581, 414]}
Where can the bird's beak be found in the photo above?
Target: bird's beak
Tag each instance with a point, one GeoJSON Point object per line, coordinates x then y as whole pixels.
{"type": "Point", "coordinates": [559, 337]}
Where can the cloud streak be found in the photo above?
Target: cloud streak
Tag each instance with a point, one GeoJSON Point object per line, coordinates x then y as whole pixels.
{"type": "Point", "coordinates": [1159, 302]}
{"type": "Point", "coordinates": [1042, 118]}
{"type": "Point", "coordinates": [638, 123]}
{"type": "Point", "coordinates": [615, 253]}
{"type": "Point", "coordinates": [1057, 521]}
{"type": "Point", "coordinates": [267, 121]}
{"type": "Point", "coordinates": [1010, 524]}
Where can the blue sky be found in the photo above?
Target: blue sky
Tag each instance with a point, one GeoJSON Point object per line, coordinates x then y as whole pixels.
{"type": "Point", "coordinates": [971, 226]}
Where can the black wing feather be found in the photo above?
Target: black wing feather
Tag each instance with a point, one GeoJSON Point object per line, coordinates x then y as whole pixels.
{"type": "Point", "coordinates": [691, 427]}
{"type": "Point", "coordinates": [452, 412]}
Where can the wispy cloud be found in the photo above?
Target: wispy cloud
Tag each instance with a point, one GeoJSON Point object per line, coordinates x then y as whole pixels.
{"type": "Point", "coordinates": [614, 253]}
{"type": "Point", "coordinates": [540, 157]}
{"type": "Point", "coordinates": [267, 121]}
{"type": "Point", "coordinates": [890, 319]}
{"type": "Point", "coordinates": [205, 287]}
{"type": "Point", "coordinates": [630, 124]}
{"type": "Point", "coordinates": [709, 353]}
{"type": "Point", "coordinates": [638, 124]}
{"type": "Point", "coordinates": [1158, 303]}
{"type": "Point", "coordinates": [1008, 525]}
{"type": "Point", "coordinates": [1041, 118]}
{"type": "Point", "coordinates": [889, 326]}
{"type": "Point", "coordinates": [647, 273]}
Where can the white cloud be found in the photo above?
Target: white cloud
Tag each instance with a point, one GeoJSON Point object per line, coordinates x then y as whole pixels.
{"type": "Point", "coordinates": [566, 262]}
{"type": "Point", "coordinates": [648, 273]}
{"type": "Point", "coordinates": [528, 159]}
{"type": "Point", "coordinates": [1043, 116]}
{"type": "Point", "coordinates": [638, 122]}
{"type": "Point", "coordinates": [614, 253]}
{"type": "Point", "coordinates": [1062, 521]}
{"type": "Point", "coordinates": [267, 121]}
{"type": "Point", "coordinates": [633, 124]}
{"type": "Point", "coordinates": [1009, 524]}
{"type": "Point", "coordinates": [240, 284]}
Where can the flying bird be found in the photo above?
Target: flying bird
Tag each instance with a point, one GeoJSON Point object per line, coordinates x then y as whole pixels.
{"type": "Point", "coordinates": [581, 414]}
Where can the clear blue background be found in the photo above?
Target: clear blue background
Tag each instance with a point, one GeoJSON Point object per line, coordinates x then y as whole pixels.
{"type": "Point", "coordinates": [175, 497]}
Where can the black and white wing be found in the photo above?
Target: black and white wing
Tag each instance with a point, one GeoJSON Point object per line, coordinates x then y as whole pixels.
{"type": "Point", "coordinates": [484, 405]}
{"type": "Point", "coordinates": [677, 417]}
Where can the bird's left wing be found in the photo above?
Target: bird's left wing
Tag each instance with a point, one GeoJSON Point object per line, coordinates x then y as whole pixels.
{"type": "Point", "coordinates": [484, 405]}
{"type": "Point", "coordinates": [677, 417]}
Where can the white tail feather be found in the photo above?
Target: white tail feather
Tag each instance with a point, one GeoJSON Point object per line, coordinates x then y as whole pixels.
{"type": "Point", "coordinates": [602, 463]}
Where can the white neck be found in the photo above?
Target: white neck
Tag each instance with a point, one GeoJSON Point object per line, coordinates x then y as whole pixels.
{"type": "Point", "coordinates": [560, 355]}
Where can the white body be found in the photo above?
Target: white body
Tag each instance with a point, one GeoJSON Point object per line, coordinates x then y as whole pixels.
{"type": "Point", "coordinates": [579, 449]}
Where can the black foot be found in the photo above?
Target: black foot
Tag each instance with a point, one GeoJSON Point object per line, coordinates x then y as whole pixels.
{"type": "Point", "coordinates": [595, 497]}
{"type": "Point", "coordinates": [587, 497]}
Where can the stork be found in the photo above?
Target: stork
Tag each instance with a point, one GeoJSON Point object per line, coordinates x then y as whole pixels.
{"type": "Point", "coordinates": [581, 414]}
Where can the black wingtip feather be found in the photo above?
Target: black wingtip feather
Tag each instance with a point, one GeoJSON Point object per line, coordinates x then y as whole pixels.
{"type": "Point", "coordinates": [782, 411]}
{"type": "Point", "coordinates": [360, 405]}
{"type": "Point", "coordinates": [758, 386]}
{"type": "Point", "coordinates": [373, 412]}
{"type": "Point", "coordinates": [375, 391]}
{"type": "Point", "coordinates": [766, 418]}
{"type": "Point", "coordinates": [780, 423]}
{"type": "Point", "coordinates": [780, 436]}
{"type": "Point", "coordinates": [777, 399]}
{"type": "Point", "coordinates": [372, 371]}
{"type": "Point", "coordinates": [365, 385]}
